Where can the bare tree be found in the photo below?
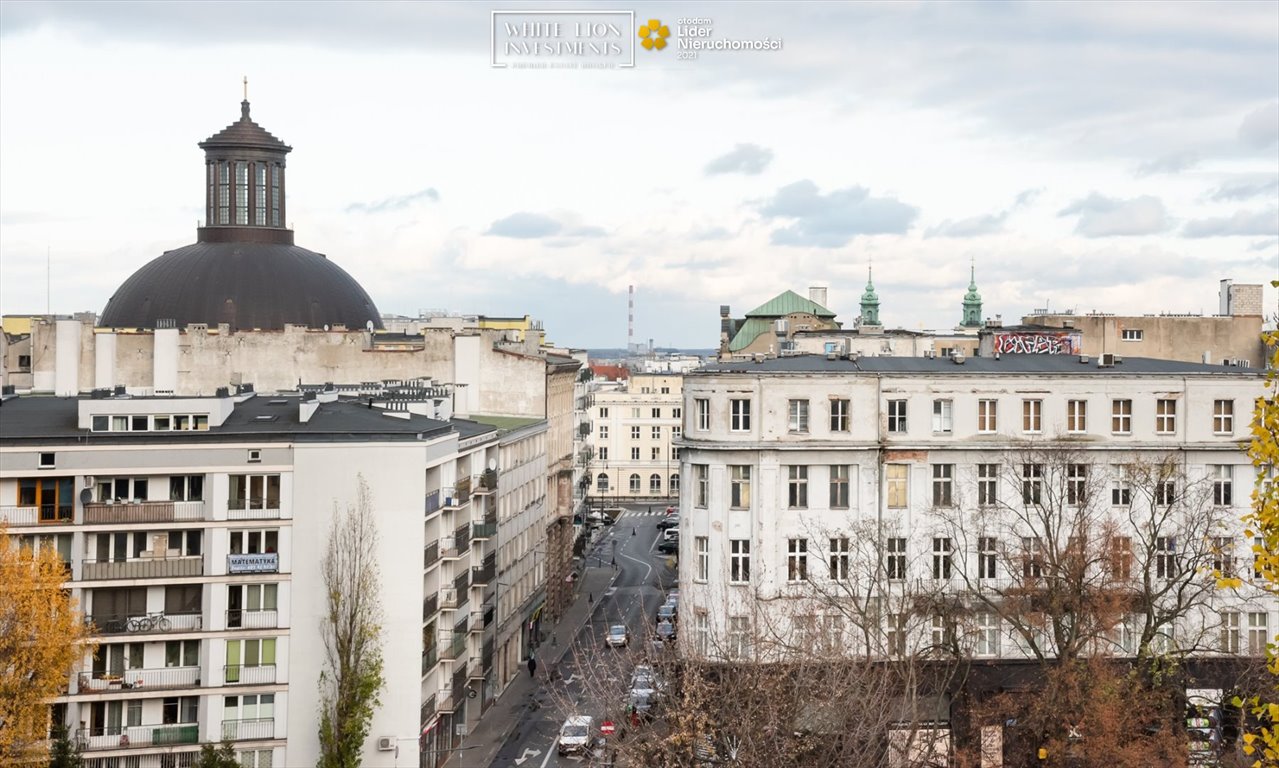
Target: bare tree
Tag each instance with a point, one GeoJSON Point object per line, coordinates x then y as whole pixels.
{"type": "Point", "coordinates": [352, 677]}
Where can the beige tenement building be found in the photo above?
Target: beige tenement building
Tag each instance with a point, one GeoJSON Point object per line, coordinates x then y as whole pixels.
{"type": "Point", "coordinates": [637, 429]}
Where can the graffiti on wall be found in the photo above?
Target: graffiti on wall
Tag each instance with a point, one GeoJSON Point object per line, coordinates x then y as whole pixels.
{"type": "Point", "coordinates": [1037, 343]}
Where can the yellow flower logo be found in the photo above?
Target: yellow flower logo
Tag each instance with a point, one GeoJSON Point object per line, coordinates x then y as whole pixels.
{"type": "Point", "coordinates": [654, 35]}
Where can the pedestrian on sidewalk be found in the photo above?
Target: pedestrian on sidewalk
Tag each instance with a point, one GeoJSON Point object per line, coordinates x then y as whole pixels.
{"type": "Point", "coordinates": [532, 666]}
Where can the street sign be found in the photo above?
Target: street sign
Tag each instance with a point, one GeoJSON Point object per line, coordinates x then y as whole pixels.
{"type": "Point", "coordinates": [460, 729]}
{"type": "Point", "coordinates": [608, 728]}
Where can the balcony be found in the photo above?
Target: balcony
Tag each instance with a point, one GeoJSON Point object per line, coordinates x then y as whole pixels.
{"type": "Point", "coordinates": [430, 606]}
{"type": "Point", "coordinates": [486, 484]}
{"type": "Point", "coordinates": [476, 671]}
{"type": "Point", "coordinates": [43, 515]}
{"type": "Point", "coordinates": [462, 490]}
{"type": "Point", "coordinates": [115, 624]}
{"type": "Point", "coordinates": [430, 657]}
{"type": "Point", "coordinates": [248, 674]}
{"type": "Point", "coordinates": [140, 679]}
{"type": "Point", "coordinates": [461, 584]}
{"type": "Point", "coordinates": [238, 618]}
{"type": "Point", "coordinates": [448, 598]}
{"type": "Point", "coordinates": [118, 737]}
{"type": "Point", "coordinates": [105, 513]}
{"type": "Point", "coordinates": [248, 729]}
{"type": "Point", "coordinates": [253, 509]}
{"type": "Point", "coordinates": [156, 567]}
{"type": "Point", "coordinates": [462, 538]}
{"type": "Point", "coordinates": [484, 574]}
{"type": "Point", "coordinates": [428, 710]}
{"type": "Point", "coordinates": [430, 554]}
{"type": "Point", "coordinates": [483, 531]}
{"type": "Point", "coordinates": [432, 502]}
{"type": "Point", "coordinates": [262, 562]}
{"type": "Point", "coordinates": [454, 649]}
{"type": "Point", "coordinates": [445, 700]}
{"type": "Point", "coordinates": [447, 549]}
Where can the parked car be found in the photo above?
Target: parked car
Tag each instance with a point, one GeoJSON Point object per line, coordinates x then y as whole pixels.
{"type": "Point", "coordinates": [672, 595]}
{"type": "Point", "coordinates": [640, 706]}
{"type": "Point", "coordinates": [666, 631]}
{"type": "Point", "coordinates": [643, 678]}
{"type": "Point", "coordinates": [667, 613]}
{"type": "Point", "coordinates": [617, 636]}
{"type": "Point", "coordinates": [670, 521]}
{"type": "Point", "coordinates": [670, 534]}
{"type": "Point", "coordinates": [672, 510]}
{"type": "Point", "coordinates": [575, 734]}
{"type": "Point", "coordinates": [670, 547]}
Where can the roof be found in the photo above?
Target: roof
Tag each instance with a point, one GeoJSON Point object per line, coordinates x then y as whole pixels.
{"type": "Point", "coordinates": [54, 419]}
{"type": "Point", "coordinates": [1064, 365]}
{"type": "Point", "coordinates": [748, 331]}
{"type": "Point", "coordinates": [613, 372]}
{"type": "Point", "coordinates": [244, 133]}
{"type": "Point", "coordinates": [505, 423]}
{"type": "Point", "coordinates": [789, 302]}
{"type": "Point", "coordinates": [246, 284]}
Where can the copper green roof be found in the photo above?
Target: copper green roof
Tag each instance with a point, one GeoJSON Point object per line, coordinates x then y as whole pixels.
{"type": "Point", "coordinates": [786, 303]}
{"type": "Point", "coordinates": [748, 332]}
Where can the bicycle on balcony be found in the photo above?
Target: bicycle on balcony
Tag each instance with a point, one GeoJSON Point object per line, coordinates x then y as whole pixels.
{"type": "Point", "coordinates": [150, 623]}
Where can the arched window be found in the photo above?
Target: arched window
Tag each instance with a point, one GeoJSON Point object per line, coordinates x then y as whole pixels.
{"type": "Point", "coordinates": [674, 483]}
{"type": "Point", "coordinates": [601, 483]}
{"type": "Point", "coordinates": [654, 483]}
{"type": "Point", "coordinates": [635, 483]}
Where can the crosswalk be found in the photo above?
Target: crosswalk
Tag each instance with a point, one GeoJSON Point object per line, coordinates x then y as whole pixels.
{"type": "Point", "coordinates": [643, 513]}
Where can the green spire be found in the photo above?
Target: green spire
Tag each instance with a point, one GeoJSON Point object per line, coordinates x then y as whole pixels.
{"type": "Point", "coordinates": [972, 301]}
{"type": "Point", "coordinates": [870, 302]}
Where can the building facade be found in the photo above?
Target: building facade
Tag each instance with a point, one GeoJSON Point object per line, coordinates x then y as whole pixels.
{"type": "Point", "coordinates": [636, 433]}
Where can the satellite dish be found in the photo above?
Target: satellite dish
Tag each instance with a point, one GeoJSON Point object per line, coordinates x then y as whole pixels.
{"type": "Point", "coordinates": [86, 496]}
{"type": "Point", "coordinates": [492, 463]}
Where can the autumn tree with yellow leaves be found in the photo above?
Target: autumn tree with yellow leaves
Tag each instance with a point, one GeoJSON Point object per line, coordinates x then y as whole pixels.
{"type": "Point", "coordinates": [42, 636]}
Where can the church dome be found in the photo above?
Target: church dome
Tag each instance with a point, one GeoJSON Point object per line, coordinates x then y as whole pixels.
{"type": "Point", "coordinates": [243, 269]}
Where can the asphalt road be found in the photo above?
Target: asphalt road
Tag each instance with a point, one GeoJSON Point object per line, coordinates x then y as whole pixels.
{"type": "Point", "coordinates": [594, 679]}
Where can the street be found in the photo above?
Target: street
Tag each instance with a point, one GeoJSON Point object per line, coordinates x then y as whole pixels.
{"type": "Point", "coordinates": [592, 672]}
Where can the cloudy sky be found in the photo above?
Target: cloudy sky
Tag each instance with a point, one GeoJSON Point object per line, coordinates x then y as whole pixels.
{"type": "Point", "coordinates": [1119, 157]}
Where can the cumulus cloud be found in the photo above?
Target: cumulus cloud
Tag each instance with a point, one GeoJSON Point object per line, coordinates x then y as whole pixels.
{"type": "Point", "coordinates": [523, 225]}
{"type": "Point", "coordinates": [1244, 189]}
{"type": "Point", "coordinates": [988, 224]}
{"type": "Point", "coordinates": [1174, 163]}
{"type": "Point", "coordinates": [396, 202]}
{"type": "Point", "coordinates": [749, 159]}
{"type": "Point", "coordinates": [831, 220]}
{"type": "Point", "coordinates": [1265, 245]}
{"type": "Point", "coordinates": [1241, 223]}
{"type": "Point", "coordinates": [1260, 128]}
{"type": "Point", "coordinates": [1101, 216]}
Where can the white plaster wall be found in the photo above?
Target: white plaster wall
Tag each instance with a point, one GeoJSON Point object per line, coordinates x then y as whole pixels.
{"type": "Point", "coordinates": [67, 371]}
{"type": "Point", "coordinates": [104, 360]}
{"type": "Point", "coordinates": [165, 364]}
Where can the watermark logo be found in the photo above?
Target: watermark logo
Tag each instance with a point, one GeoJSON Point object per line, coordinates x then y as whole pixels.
{"type": "Point", "coordinates": [653, 35]}
{"type": "Point", "coordinates": [563, 39]}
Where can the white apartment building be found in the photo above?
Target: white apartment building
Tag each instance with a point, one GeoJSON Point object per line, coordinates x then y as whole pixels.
{"type": "Point", "coordinates": [637, 430]}
{"type": "Point", "coordinates": [822, 488]}
{"type": "Point", "coordinates": [194, 527]}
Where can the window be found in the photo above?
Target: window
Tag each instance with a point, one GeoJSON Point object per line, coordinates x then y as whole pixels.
{"type": "Point", "coordinates": [601, 482]}
{"type": "Point", "coordinates": [1130, 334]}
{"type": "Point", "coordinates": [275, 195]}
{"type": "Point", "coordinates": [241, 193]}
{"type": "Point", "coordinates": [254, 492]}
{"type": "Point", "coordinates": [798, 416]}
{"type": "Point", "coordinates": [1223, 557]}
{"type": "Point", "coordinates": [635, 433]}
{"type": "Point", "coordinates": [1165, 557]}
{"type": "Point", "coordinates": [1119, 558]}
{"type": "Point", "coordinates": [987, 415]}
{"type": "Point", "coordinates": [1165, 493]}
{"type": "Point", "coordinates": [797, 559]}
{"type": "Point", "coordinates": [1076, 416]}
{"type": "Point", "coordinates": [943, 485]}
{"type": "Point", "coordinates": [839, 486]}
{"type": "Point", "coordinates": [674, 483]}
{"type": "Point", "coordinates": [184, 542]}
{"type": "Point", "coordinates": [254, 542]}
{"type": "Point", "coordinates": [656, 433]}
{"type": "Point", "coordinates": [186, 488]}
{"type": "Point", "coordinates": [1032, 483]}
{"type": "Point", "coordinates": [248, 653]}
{"type": "Point", "coordinates": [987, 634]}
{"type": "Point", "coordinates": [699, 485]}
{"type": "Point", "coordinates": [896, 475]}
{"type": "Point", "coordinates": [838, 415]}
{"type": "Point", "coordinates": [1223, 417]}
{"type": "Point", "coordinates": [1165, 416]}
{"type": "Point", "coordinates": [1229, 632]}
{"type": "Point", "coordinates": [1121, 487]}
{"type": "Point", "coordinates": [258, 706]}
{"type": "Point", "coordinates": [839, 559]}
{"type": "Point", "coordinates": [1258, 633]}
{"type": "Point", "coordinates": [739, 636]}
{"type": "Point", "coordinates": [987, 556]}
{"type": "Point", "coordinates": [1121, 417]}
{"type": "Point", "coordinates": [739, 561]}
{"type": "Point", "coordinates": [224, 193]}
{"type": "Point", "coordinates": [635, 412]}
{"type": "Point", "coordinates": [701, 545]}
{"type": "Point", "coordinates": [603, 413]}
{"type": "Point", "coordinates": [677, 431]}
{"type": "Point", "coordinates": [1032, 557]}
{"type": "Point", "coordinates": [1077, 485]}
{"type": "Point", "coordinates": [1124, 634]}
{"type": "Point", "coordinates": [1222, 485]}
{"type": "Point", "coordinates": [122, 489]}
{"type": "Point", "coordinates": [702, 633]}
{"type": "Point", "coordinates": [987, 484]}
{"type": "Point", "coordinates": [259, 193]}
{"type": "Point", "coordinates": [248, 758]}
{"type": "Point", "coordinates": [179, 709]}
{"type": "Point", "coordinates": [702, 407]}
{"type": "Point", "coordinates": [943, 418]}
{"type": "Point", "coordinates": [897, 416]}
{"type": "Point", "coordinates": [53, 496]}
{"type": "Point", "coordinates": [635, 482]}
{"type": "Point", "coordinates": [1258, 548]}
{"type": "Point", "coordinates": [657, 413]}
{"type": "Point", "coordinates": [739, 411]}
{"type": "Point", "coordinates": [602, 453]}
{"type": "Point", "coordinates": [739, 486]}
{"type": "Point", "coordinates": [655, 453]}
{"type": "Point", "coordinates": [943, 632]}
{"type": "Point", "coordinates": [654, 483]}
{"type": "Point", "coordinates": [1032, 416]}
{"type": "Point", "coordinates": [941, 558]}
{"type": "Point", "coordinates": [677, 413]}
{"type": "Point", "coordinates": [603, 431]}
{"type": "Point", "coordinates": [895, 559]}
{"type": "Point", "coordinates": [896, 634]}
{"type": "Point", "coordinates": [182, 653]}
{"type": "Point", "coordinates": [797, 487]}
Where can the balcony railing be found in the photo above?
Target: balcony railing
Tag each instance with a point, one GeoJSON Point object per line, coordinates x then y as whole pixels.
{"type": "Point", "coordinates": [145, 568]}
{"type": "Point", "coordinates": [430, 606]}
{"type": "Point", "coordinates": [430, 657]}
{"type": "Point", "coordinates": [249, 728]}
{"type": "Point", "coordinates": [462, 490]}
{"type": "Point", "coordinates": [260, 562]}
{"type": "Point", "coordinates": [445, 700]}
{"type": "Point", "coordinates": [116, 624]}
{"type": "Point", "coordinates": [428, 710]}
{"type": "Point", "coordinates": [431, 554]}
{"type": "Point", "coordinates": [475, 670]}
{"type": "Point", "coordinates": [255, 509]}
{"type": "Point", "coordinates": [483, 574]}
{"type": "Point", "coordinates": [140, 679]}
{"type": "Point", "coordinates": [486, 483]}
{"type": "Point", "coordinates": [248, 674]}
{"type": "Point", "coordinates": [483, 530]}
{"type": "Point", "coordinates": [16, 516]}
{"type": "Point", "coordinates": [448, 598]}
{"type": "Point", "coordinates": [462, 538]}
{"type": "Point", "coordinates": [448, 551]}
{"type": "Point", "coordinates": [143, 512]}
{"type": "Point", "coordinates": [432, 502]}
{"type": "Point", "coordinates": [453, 649]}
{"type": "Point", "coordinates": [239, 618]}
{"type": "Point", "coordinates": [117, 737]}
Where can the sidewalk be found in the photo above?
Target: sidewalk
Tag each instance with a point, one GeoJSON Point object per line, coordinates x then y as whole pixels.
{"type": "Point", "coordinates": [481, 746]}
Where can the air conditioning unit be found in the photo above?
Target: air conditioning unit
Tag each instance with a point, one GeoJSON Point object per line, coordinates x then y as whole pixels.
{"type": "Point", "coordinates": [1106, 361]}
{"type": "Point", "coordinates": [385, 743]}
{"type": "Point", "coordinates": [89, 480]}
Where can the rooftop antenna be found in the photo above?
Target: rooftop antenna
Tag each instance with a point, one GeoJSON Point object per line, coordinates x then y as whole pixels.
{"type": "Point", "coordinates": [246, 87]}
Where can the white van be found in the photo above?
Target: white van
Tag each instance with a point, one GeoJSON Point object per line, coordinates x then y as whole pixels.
{"type": "Point", "coordinates": [575, 734]}
{"type": "Point", "coordinates": [670, 534]}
